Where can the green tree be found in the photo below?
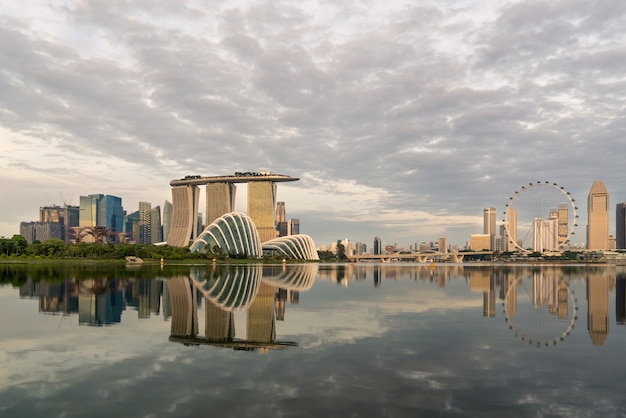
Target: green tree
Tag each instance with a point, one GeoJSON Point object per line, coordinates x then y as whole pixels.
{"type": "Point", "coordinates": [341, 252]}
{"type": "Point", "coordinates": [53, 247]}
{"type": "Point", "coordinates": [20, 244]}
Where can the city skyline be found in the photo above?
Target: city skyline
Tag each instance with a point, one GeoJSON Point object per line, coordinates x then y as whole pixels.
{"type": "Point", "coordinates": [557, 232]}
{"type": "Point", "coordinates": [391, 135]}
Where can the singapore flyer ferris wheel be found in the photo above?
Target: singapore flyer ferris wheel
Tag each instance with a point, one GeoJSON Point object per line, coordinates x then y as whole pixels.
{"type": "Point", "coordinates": [540, 217]}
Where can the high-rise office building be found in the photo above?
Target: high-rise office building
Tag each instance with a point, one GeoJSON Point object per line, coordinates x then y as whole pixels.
{"type": "Point", "coordinates": [378, 246]}
{"type": "Point", "coordinates": [40, 231]}
{"type": "Point", "coordinates": [88, 212]}
{"type": "Point", "coordinates": [167, 218]}
{"type": "Point", "coordinates": [480, 242]}
{"type": "Point", "coordinates": [489, 221]}
{"type": "Point", "coordinates": [100, 210]}
{"type": "Point", "coordinates": [504, 241]}
{"type": "Point", "coordinates": [281, 214]}
{"type": "Point", "coordinates": [511, 222]}
{"type": "Point", "coordinates": [66, 216]}
{"type": "Point", "coordinates": [562, 215]}
{"type": "Point", "coordinates": [200, 225]}
{"type": "Point", "coordinates": [620, 226]}
{"type": "Point", "coordinates": [489, 225]}
{"type": "Point", "coordinates": [293, 226]}
{"type": "Point", "coordinates": [282, 227]}
{"type": "Point", "coordinates": [443, 245]}
{"type": "Point", "coordinates": [145, 223]}
{"type": "Point", "coordinates": [598, 217]}
{"type": "Point", "coordinates": [131, 226]}
{"type": "Point", "coordinates": [261, 207]}
{"type": "Point", "coordinates": [156, 229]}
{"type": "Point", "coordinates": [111, 213]}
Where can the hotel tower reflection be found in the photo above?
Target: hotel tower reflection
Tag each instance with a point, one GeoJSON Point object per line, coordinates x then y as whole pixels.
{"type": "Point", "coordinates": [259, 291]}
{"type": "Point", "coordinates": [539, 306]}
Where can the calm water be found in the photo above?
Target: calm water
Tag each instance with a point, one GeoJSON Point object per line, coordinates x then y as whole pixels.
{"type": "Point", "coordinates": [392, 340]}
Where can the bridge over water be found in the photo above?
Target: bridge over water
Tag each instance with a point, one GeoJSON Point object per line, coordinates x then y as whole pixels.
{"type": "Point", "coordinates": [418, 257]}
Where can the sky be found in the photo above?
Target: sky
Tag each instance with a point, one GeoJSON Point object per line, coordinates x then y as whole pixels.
{"type": "Point", "coordinates": [402, 119]}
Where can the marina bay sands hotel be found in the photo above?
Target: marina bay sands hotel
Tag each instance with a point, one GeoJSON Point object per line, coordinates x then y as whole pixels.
{"type": "Point", "coordinates": [220, 199]}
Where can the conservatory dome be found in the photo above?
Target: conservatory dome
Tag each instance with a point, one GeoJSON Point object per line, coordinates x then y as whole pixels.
{"type": "Point", "coordinates": [299, 247]}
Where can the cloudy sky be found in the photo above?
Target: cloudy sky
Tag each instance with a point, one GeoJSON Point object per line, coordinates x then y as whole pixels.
{"type": "Point", "coordinates": [402, 119]}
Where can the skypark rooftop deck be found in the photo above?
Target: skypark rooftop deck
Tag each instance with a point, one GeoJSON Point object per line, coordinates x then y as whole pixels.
{"type": "Point", "coordinates": [235, 178]}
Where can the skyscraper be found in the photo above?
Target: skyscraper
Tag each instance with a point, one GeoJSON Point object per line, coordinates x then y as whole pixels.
{"type": "Point", "coordinates": [66, 216]}
{"type": "Point", "coordinates": [282, 227]}
{"type": "Point", "coordinates": [156, 229]}
{"type": "Point", "coordinates": [98, 210]}
{"type": "Point", "coordinates": [598, 217]}
{"type": "Point", "coordinates": [489, 221]}
{"type": "Point", "coordinates": [511, 223]}
{"type": "Point", "coordinates": [620, 226]}
{"type": "Point", "coordinates": [131, 226]}
{"type": "Point", "coordinates": [145, 223]}
{"type": "Point", "coordinates": [489, 225]}
{"type": "Point", "coordinates": [167, 218]}
{"type": "Point", "coordinates": [281, 214]}
{"type": "Point", "coordinates": [111, 213]}
{"type": "Point", "coordinates": [88, 212]}
{"type": "Point", "coordinates": [563, 215]}
{"type": "Point", "coordinates": [293, 226]}
{"type": "Point", "coordinates": [443, 245]}
{"type": "Point", "coordinates": [378, 246]}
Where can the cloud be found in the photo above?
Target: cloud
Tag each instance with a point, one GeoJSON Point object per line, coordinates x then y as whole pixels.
{"type": "Point", "coordinates": [437, 109]}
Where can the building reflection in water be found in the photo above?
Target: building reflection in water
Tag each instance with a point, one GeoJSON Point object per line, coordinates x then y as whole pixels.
{"type": "Point", "coordinates": [97, 301]}
{"type": "Point", "coordinates": [529, 295]}
{"type": "Point", "coordinates": [259, 291]}
{"type": "Point", "coordinates": [482, 280]}
{"type": "Point", "coordinates": [598, 307]}
{"type": "Point", "coordinates": [620, 297]}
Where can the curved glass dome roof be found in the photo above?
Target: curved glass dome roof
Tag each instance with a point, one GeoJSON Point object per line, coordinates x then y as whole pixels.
{"type": "Point", "coordinates": [234, 233]}
{"type": "Point", "coordinates": [230, 289]}
{"type": "Point", "coordinates": [299, 247]}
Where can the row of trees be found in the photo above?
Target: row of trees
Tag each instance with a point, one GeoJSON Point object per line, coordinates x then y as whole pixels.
{"type": "Point", "coordinates": [56, 248]}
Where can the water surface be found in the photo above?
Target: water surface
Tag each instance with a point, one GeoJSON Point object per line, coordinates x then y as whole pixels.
{"type": "Point", "coordinates": [390, 340]}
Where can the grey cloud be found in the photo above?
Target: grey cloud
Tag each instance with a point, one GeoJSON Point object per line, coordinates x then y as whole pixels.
{"type": "Point", "coordinates": [444, 113]}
